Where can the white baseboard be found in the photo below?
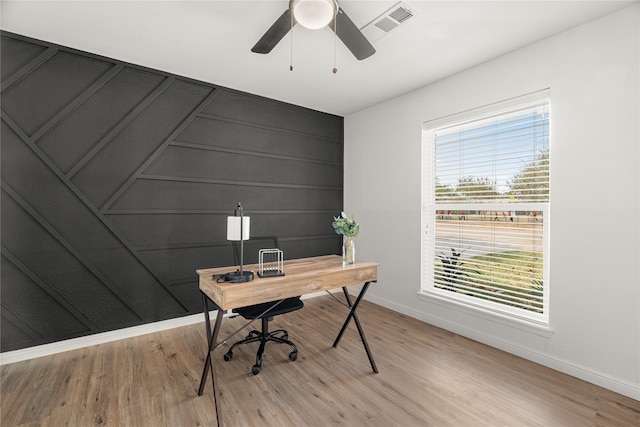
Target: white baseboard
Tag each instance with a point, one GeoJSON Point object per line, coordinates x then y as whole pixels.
{"type": "Point", "coordinates": [105, 337]}
{"type": "Point", "coordinates": [101, 338]}
{"type": "Point", "coordinates": [602, 380]}
{"type": "Point", "coordinates": [566, 367]}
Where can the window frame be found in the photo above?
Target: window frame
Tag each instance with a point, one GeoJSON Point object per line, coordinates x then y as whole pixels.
{"type": "Point", "coordinates": [429, 206]}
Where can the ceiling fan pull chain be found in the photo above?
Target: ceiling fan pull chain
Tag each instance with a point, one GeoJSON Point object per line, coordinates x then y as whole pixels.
{"type": "Point", "coordinates": [291, 51]}
{"type": "Point", "coordinates": [335, 40]}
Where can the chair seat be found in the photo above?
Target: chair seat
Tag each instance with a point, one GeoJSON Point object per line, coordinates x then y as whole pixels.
{"type": "Point", "coordinates": [256, 311]}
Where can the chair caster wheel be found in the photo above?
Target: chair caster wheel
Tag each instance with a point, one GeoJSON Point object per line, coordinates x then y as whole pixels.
{"type": "Point", "coordinates": [293, 355]}
{"type": "Point", "coordinates": [228, 356]}
{"type": "Point", "coordinates": [255, 369]}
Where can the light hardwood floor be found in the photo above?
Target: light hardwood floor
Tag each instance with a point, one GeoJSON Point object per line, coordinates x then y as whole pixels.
{"type": "Point", "coordinates": [428, 377]}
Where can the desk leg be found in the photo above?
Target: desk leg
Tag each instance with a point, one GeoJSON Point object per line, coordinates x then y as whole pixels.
{"type": "Point", "coordinates": [209, 363]}
{"type": "Point", "coordinates": [352, 314]}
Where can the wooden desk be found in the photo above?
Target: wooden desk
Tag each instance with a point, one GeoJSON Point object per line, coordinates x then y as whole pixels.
{"type": "Point", "coordinates": [302, 276]}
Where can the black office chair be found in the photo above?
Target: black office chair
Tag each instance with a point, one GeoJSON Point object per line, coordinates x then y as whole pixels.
{"type": "Point", "coordinates": [263, 311]}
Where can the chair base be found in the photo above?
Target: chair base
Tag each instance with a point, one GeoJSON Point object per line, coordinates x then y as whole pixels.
{"type": "Point", "coordinates": [280, 336]}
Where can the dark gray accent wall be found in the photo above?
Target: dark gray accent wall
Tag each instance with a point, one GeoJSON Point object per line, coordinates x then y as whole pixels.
{"type": "Point", "coordinates": [117, 180]}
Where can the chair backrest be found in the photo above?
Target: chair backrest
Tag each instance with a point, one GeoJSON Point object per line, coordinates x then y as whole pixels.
{"type": "Point", "coordinates": [252, 247]}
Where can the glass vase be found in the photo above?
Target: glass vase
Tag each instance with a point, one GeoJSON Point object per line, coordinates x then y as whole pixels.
{"type": "Point", "coordinates": [348, 250]}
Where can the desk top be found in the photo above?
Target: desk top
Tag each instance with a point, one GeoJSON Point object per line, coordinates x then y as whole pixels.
{"type": "Point", "coordinates": [302, 276]}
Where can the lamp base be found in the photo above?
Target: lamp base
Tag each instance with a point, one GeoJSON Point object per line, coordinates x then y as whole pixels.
{"type": "Point", "coordinates": [239, 276]}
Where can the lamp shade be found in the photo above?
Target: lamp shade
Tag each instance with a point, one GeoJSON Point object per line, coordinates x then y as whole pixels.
{"type": "Point", "coordinates": [233, 228]}
{"type": "Point", "coordinates": [314, 14]}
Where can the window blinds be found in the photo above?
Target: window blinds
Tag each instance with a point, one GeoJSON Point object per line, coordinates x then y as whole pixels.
{"type": "Point", "coordinates": [500, 158]}
{"type": "Point", "coordinates": [485, 232]}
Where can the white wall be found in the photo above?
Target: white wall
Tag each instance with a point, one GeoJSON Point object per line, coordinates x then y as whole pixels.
{"type": "Point", "coordinates": [593, 73]}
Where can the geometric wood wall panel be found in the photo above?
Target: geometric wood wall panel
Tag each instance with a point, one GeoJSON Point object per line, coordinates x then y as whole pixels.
{"type": "Point", "coordinates": [117, 180]}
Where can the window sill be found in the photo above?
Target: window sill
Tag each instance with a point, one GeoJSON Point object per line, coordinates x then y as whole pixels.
{"type": "Point", "coordinates": [539, 329]}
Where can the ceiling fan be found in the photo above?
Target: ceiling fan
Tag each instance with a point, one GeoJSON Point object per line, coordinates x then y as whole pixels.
{"type": "Point", "coordinates": [315, 14]}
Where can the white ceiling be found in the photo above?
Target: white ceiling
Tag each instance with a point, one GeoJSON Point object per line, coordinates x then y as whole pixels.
{"type": "Point", "coordinates": [211, 41]}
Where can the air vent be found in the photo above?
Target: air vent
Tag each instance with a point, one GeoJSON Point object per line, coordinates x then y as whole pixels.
{"type": "Point", "coordinates": [401, 14]}
{"type": "Point", "coordinates": [388, 21]}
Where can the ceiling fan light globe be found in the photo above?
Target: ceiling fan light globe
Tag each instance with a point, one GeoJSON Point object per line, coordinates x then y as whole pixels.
{"type": "Point", "coordinates": [314, 14]}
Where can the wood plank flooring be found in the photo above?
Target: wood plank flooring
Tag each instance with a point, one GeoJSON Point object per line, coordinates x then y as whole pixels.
{"type": "Point", "coordinates": [428, 377]}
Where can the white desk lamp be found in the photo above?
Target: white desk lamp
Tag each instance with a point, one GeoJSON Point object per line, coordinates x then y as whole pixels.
{"type": "Point", "coordinates": [238, 230]}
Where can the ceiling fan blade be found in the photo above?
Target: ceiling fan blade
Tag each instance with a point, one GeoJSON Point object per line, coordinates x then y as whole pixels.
{"type": "Point", "coordinates": [351, 36]}
{"type": "Point", "coordinates": [274, 34]}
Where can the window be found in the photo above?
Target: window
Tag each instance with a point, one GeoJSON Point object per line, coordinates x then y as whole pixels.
{"type": "Point", "coordinates": [485, 208]}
